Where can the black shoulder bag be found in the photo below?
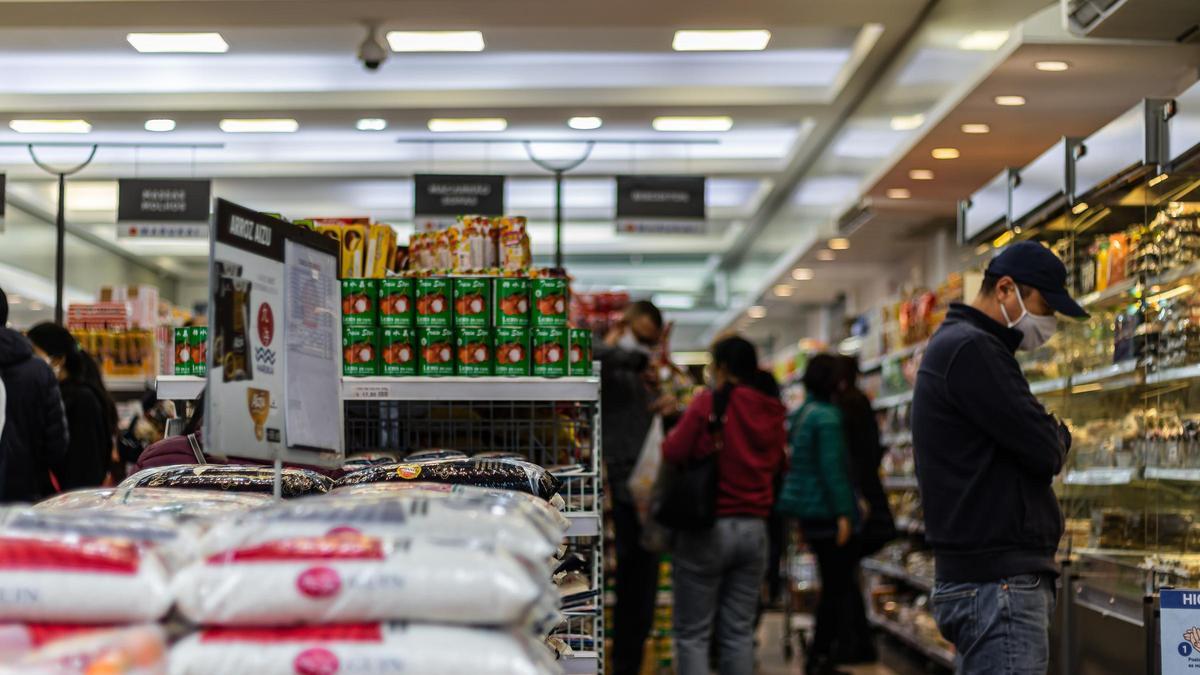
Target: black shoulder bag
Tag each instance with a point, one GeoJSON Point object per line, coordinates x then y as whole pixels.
{"type": "Point", "coordinates": [685, 497]}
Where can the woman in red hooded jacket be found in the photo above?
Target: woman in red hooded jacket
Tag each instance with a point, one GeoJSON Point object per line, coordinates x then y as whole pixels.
{"type": "Point", "coordinates": [723, 568]}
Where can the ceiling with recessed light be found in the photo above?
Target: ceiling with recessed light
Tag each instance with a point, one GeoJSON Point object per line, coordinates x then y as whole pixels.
{"type": "Point", "coordinates": [796, 111]}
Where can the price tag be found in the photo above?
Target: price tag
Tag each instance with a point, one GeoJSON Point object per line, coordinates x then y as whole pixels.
{"type": "Point", "coordinates": [370, 392]}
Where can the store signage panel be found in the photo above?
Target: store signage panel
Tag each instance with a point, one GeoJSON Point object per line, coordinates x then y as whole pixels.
{"type": "Point", "coordinates": [439, 199]}
{"type": "Point", "coordinates": [661, 204]}
{"type": "Point", "coordinates": [274, 341]}
{"type": "Point", "coordinates": [1128, 141]}
{"type": "Point", "coordinates": [1179, 631]}
{"type": "Point", "coordinates": [988, 206]}
{"type": "Point", "coordinates": [1184, 125]}
{"type": "Point", "coordinates": [163, 207]}
{"type": "Point", "coordinates": [1040, 181]}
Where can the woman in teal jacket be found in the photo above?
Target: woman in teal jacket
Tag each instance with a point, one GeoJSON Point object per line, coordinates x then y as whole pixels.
{"type": "Point", "coordinates": [817, 491]}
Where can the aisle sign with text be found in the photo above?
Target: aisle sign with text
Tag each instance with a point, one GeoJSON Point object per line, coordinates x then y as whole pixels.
{"type": "Point", "coordinates": [439, 199]}
{"type": "Point", "coordinates": [163, 207]}
{"type": "Point", "coordinates": [661, 204]}
{"type": "Point", "coordinates": [274, 372]}
{"type": "Point", "coordinates": [1179, 631]}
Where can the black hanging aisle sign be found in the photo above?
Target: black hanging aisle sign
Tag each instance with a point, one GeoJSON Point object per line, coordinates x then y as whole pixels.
{"type": "Point", "coordinates": [163, 207]}
{"type": "Point", "coordinates": [439, 199]}
{"type": "Point", "coordinates": [661, 204]}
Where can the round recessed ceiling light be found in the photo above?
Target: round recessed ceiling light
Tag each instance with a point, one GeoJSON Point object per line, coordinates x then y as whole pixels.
{"type": "Point", "coordinates": [757, 312]}
{"type": "Point", "coordinates": [371, 124]}
{"type": "Point", "coordinates": [783, 290]}
{"type": "Point", "coordinates": [921, 174]}
{"type": "Point", "coordinates": [839, 244]}
{"type": "Point", "coordinates": [976, 128]}
{"type": "Point", "coordinates": [160, 125]}
{"type": "Point", "coordinates": [1010, 100]}
{"type": "Point", "coordinates": [825, 255]}
{"type": "Point", "coordinates": [898, 193]}
{"type": "Point", "coordinates": [907, 122]}
{"type": "Point", "coordinates": [944, 153]}
{"type": "Point", "coordinates": [802, 274]}
{"type": "Point", "coordinates": [1052, 66]}
{"type": "Point", "coordinates": [585, 123]}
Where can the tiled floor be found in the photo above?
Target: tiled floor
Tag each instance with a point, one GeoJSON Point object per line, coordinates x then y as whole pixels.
{"type": "Point", "coordinates": [893, 661]}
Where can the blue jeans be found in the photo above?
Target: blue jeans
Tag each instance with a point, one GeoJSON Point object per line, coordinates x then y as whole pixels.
{"type": "Point", "coordinates": [999, 627]}
{"type": "Point", "coordinates": [719, 568]}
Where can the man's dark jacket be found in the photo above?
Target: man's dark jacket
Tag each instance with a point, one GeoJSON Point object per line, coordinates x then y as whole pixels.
{"type": "Point", "coordinates": [34, 439]}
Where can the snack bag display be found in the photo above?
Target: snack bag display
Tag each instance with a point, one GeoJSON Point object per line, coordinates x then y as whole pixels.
{"type": "Point", "coordinates": [510, 302]}
{"type": "Point", "coordinates": [471, 298]}
{"type": "Point", "coordinates": [580, 343]}
{"type": "Point", "coordinates": [348, 578]}
{"type": "Point", "coordinates": [434, 302]}
{"type": "Point", "coordinates": [548, 513]}
{"type": "Point", "coordinates": [373, 648]}
{"type": "Point", "coordinates": [471, 244]}
{"type": "Point", "coordinates": [474, 351]}
{"type": "Point", "coordinates": [399, 347]}
{"type": "Point", "coordinates": [183, 351]}
{"type": "Point", "coordinates": [396, 304]}
{"type": "Point", "coordinates": [198, 346]}
{"type": "Point", "coordinates": [360, 352]}
{"type": "Point", "coordinates": [444, 243]}
{"type": "Point", "coordinates": [513, 244]}
{"type": "Point", "coordinates": [359, 300]}
{"type": "Point", "coordinates": [550, 358]}
{"type": "Point", "coordinates": [501, 474]}
{"type": "Point", "coordinates": [436, 356]}
{"type": "Point", "coordinates": [381, 250]}
{"type": "Point", "coordinates": [512, 351]}
{"type": "Point", "coordinates": [550, 301]}
{"type": "Point", "coordinates": [228, 478]}
{"type": "Point", "coordinates": [354, 251]}
{"type": "Point", "coordinates": [334, 232]}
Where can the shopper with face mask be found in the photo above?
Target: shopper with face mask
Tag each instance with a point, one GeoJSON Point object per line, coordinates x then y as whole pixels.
{"type": "Point", "coordinates": [986, 454]}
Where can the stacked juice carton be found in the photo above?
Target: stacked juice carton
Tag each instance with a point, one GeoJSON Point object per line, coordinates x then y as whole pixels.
{"type": "Point", "coordinates": [191, 357]}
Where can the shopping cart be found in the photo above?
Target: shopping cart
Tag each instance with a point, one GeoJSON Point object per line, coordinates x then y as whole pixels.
{"type": "Point", "coordinates": [801, 593]}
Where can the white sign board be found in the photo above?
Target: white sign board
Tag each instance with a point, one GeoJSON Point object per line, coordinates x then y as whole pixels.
{"type": "Point", "coordinates": [1179, 631]}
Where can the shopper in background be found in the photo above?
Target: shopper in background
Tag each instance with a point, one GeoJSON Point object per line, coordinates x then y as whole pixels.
{"type": "Point", "coordinates": [865, 454]}
{"type": "Point", "coordinates": [35, 428]}
{"type": "Point", "coordinates": [986, 453]}
{"type": "Point", "coordinates": [91, 413]}
{"type": "Point", "coordinates": [630, 401]}
{"type": "Point", "coordinates": [818, 491]}
{"type": "Point", "coordinates": [722, 568]}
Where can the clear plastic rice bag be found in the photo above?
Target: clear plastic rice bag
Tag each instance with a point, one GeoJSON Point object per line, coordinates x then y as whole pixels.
{"type": "Point", "coordinates": [229, 478]}
{"type": "Point", "coordinates": [502, 474]}
{"type": "Point", "coordinates": [70, 650]}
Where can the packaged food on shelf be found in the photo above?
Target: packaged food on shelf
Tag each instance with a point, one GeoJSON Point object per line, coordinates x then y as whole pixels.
{"type": "Point", "coordinates": [473, 245]}
{"type": "Point", "coordinates": [513, 244]}
{"type": "Point", "coordinates": [380, 255]}
{"type": "Point", "coordinates": [472, 296]}
{"type": "Point", "coordinates": [183, 352]}
{"type": "Point", "coordinates": [548, 512]}
{"type": "Point", "coordinates": [488, 473]}
{"type": "Point", "coordinates": [444, 242]}
{"type": "Point", "coordinates": [434, 302]}
{"type": "Point", "coordinates": [550, 301]}
{"type": "Point", "coordinates": [549, 351]}
{"type": "Point", "coordinates": [396, 303]}
{"type": "Point", "coordinates": [360, 299]}
{"type": "Point", "coordinates": [349, 578]}
{"type": "Point", "coordinates": [512, 351]}
{"type": "Point", "coordinates": [181, 505]}
{"type": "Point", "coordinates": [436, 355]}
{"type": "Point", "coordinates": [74, 650]}
{"type": "Point", "coordinates": [433, 455]}
{"type": "Point", "coordinates": [229, 478]}
{"type": "Point", "coordinates": [354, 251]}
{"type": "Point", "coordinates": [360, 351]}
{"type": "Point", "coordinates": [510, 303]}
{"type": "Point", "coordinates": [474, 351]}
{"type": "Point", "coordinates": [399, 347]}
{"type": "Point", "coordinates": [581, 351]}
{"type": "Point", "coordinates": [374, 648]}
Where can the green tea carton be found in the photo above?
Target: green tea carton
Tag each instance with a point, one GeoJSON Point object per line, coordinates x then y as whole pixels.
{"type": "Point", "coordinates": [580, 342]}
{"type": "Point", "coordinates": [472, 295]}
{"type": "Point", "coordinates": [510, 302]}
{"type": "Point", "coordinates": [360, 351]}
{"type": "Point", "coordinates": [436, 355]}
{"type": "Point", "coordinates": [549, 350]}
{"type": "Point", "coordinates": [399, 347]}
{"type": "Point", "coordinates": [475, 357]}
{"type": "Point", "coordinates": [359, 302]}
{"type": "Point", "coordinates": [550, 301]}
{"type": "Point", "coordinates": [434, 302]}
{"type": "Point", "coordinates": [396, 303]}
{"type": "Point", "coordinates": [512, 351]}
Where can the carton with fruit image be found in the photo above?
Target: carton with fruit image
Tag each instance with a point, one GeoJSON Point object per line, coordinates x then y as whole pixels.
{"type": "Point", "coordinates": [512, 351]}
{"type": "Point", "coordinates": [360, 351]}
{"type": "Point", "coordinates": [198, 346]}
{"type": "Point", "coordinates": [580, 341]}
{"type": "Point", "coordinates": [183, 351]}
{"type": "Point", "coordinates": [510, 302]}
{"type": "Point", "coordinates": [436, 353]}
{"type": "Point", "coordinates": [396, 303]}
{"type": "Point", "coordinates": [398, 345]}
{"type": "Point", "coordinates": [474, 351]}
{"type": "Point", "coordinates": [550, 301]}
{"type": "Point", "coordinates": [549, 351]}
{"type": "Point", "coordinates": [433, 302]}
{"type": "Point", "coordinates": [359, 298]}
{"type": "Point", "coordinates": [471, 298]}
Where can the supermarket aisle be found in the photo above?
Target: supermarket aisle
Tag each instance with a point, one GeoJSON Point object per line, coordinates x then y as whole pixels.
{"type": "Point", "coordinates": [771, 655]}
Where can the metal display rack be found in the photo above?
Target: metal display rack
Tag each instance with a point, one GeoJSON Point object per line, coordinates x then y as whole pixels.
{"type": "Point", "coordinates": [554, 423]}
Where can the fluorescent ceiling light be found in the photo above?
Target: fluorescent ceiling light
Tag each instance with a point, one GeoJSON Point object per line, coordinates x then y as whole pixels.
{"type": "Point", "coordinates": [1052, 66]}
{"type": "Point", "coordinates": [1010, 100]}
{"type": "Point", "coordinates": [825, 255]}
{"type": "Point", "coordinates": [160, 125]}
{"type": "Point", "coordinates": [976, 128]}
{"type": "Point", "coordinates": [1157, 179]}
{"type": "Point", "coordinates": [178, 43]}
{"type": "Point", "coordinates": [585, 123]}
{"type": "Point", "coordinates": [783, 290]}
{"type": "Point", "coordinates": [839, 244]}
{"type": "Point", "coordinates": [802, 274]}
{"type": "Point", "coordinates": [907, 122]}
{"type": "Point", "coordinates": [259, 126]}
{"type": "Point", "coordinates": [452, 124]}
{"type": "Point", "coordinates": [718, 123]}
{"type": "Point", "coordinates": [757, 312]}
{"type": "Point", "coordinates": [1079, 208]}
{"type": "Point", "coordinates": [921, 174]}
{"type": "Point", "coordinates": [944, 153]}
{"type": "Point", "coordinates": [371, 124]}
{"type": "Point", "coordinates": [898, 193]}
{"type": "Point", "coordinates": [673, 300]}
{"type": "Point", "coordinates": [720, 40]}
{"type": "Point", "coordinates": [1002, 241]}
{"type": "Point", "coordinates": [435, 41]}
{"type": "Point", "coordinates": [983, 40]}
{"type": "Point", "coordinates": [50, 126]}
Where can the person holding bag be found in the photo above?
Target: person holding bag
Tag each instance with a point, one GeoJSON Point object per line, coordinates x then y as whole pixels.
{"type": "Point", "coordinates": [725, 454]}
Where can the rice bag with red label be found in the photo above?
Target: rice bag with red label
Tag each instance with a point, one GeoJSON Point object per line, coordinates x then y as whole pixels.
{"type": "Point", "coordinates": [75, 650]}
{"type": "Point", "coordinates": [359, 648]}
{"type": "Point", "coordinates": [73, 579]}
{"type": "Point", "coordinates": [502, 474]}
{"type": "Point", "coordinates": [506, 524]}
{"type": "Point", "coordinates": [229, 478]}
{"type": "Point", "coordinates": [345, 577]}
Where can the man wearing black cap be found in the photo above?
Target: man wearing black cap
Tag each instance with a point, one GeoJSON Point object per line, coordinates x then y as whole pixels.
{"type": "Point", "coordinates": [986, 454]}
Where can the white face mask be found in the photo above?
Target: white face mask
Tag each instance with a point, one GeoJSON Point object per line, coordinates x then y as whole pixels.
{"type": "Point", "coordinates": [629, 342]}
{"type": "Point", "coordinates": [1035, 330]}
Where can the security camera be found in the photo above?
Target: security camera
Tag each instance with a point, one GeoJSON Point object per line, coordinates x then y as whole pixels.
{"type": "Point", "coordinates": [372, 52]}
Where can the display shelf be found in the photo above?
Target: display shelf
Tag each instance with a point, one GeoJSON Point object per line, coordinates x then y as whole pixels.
{"type": "Point", "coordinates": [1107, 373]}
{"type": "Point", "coordinates": [583, 524]}
{"type": "Point", "coordinates": [1101, 476]}
{"type": "Point", "coordinates": [179, 387]}
{"type": "Point", "coordinates": [897, 572]}
{"type": "Point", "coordinates": [898, 438]}
{"type": "Point", "coordinates": [1049, 386]}
{"type": "Point", "coordinates": [1176, 474]}
{"type": "Point", "coordinates": [1107, 603]}
{"type": "Point", "coordinates": [878, 361]}
{"type": "Point", "coordinates": [470, 389]}
{"type": "Point", "coordinates": [1174, 374]}
{"type": "Point", "coordinates": [581, 663]}
{"type": "Point", "coordinates": [939, 655]}
{"type": "Point", "coordinates": [127, 384]}
{"type": "Point", "coordinates": [900, 482]}
{"type": "Point", "coordinates": [894, 401]}
{"type": "Point", "coordinates": [1110, 295]}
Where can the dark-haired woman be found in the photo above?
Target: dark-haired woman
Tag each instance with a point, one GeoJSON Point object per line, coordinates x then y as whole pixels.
{"type": "Point", "coordinates": [818, 491]}
{"type": "Point", "coordinates": [723, 567]}
{"type": "Point", "coordinates": [91, 413]}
